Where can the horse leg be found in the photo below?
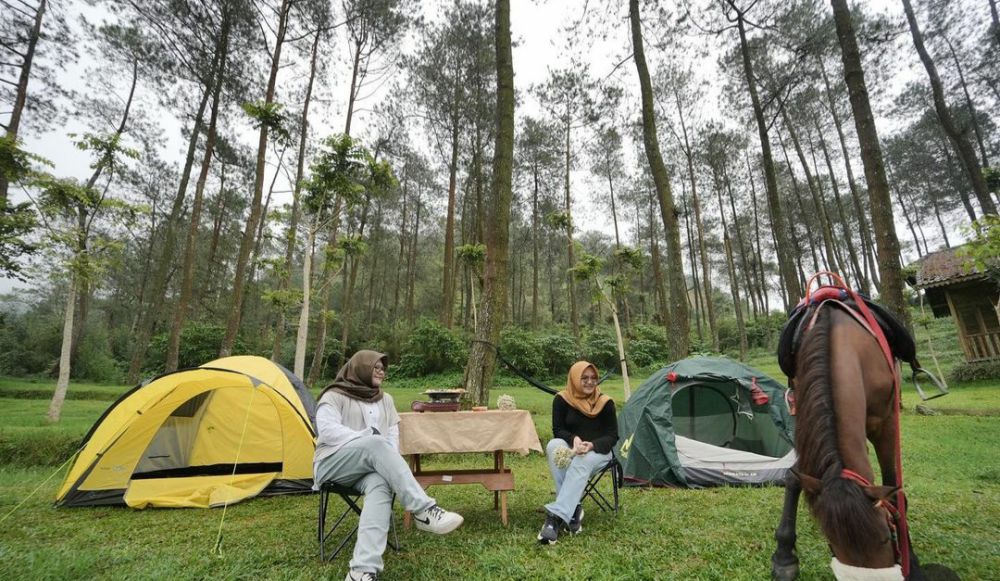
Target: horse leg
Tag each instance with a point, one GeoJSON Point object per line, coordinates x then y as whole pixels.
{"type": "Point", "coordinates": [784, 561]}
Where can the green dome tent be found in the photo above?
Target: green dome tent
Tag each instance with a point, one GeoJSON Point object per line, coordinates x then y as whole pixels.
{"type": "Point", "coordinates": [704, 421]}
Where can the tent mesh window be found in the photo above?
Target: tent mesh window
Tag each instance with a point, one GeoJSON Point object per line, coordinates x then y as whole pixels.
{"type": "Point", "coordinates": [199, 439]}
{"type": "Point", "coordinates": [721, 415]}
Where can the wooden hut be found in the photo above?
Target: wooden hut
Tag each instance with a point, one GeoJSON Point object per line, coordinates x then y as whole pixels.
{"type": "Point", "coordinates": [953, 286]}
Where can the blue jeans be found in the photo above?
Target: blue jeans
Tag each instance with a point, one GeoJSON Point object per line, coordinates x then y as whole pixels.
{"type": "Point", "coordinates": [572, 480]}
{"type": "Point", "coordinates": [372, 466]}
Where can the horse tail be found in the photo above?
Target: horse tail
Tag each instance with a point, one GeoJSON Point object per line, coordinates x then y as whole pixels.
{"type": "Point", "coordinates": [840, 507]}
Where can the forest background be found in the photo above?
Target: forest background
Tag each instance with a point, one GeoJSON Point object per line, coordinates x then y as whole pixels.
{"type": "Point", "coordinates": [299, 179]}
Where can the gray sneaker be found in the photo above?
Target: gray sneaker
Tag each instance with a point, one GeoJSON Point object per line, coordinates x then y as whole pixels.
{"type": "Point", "coordinates": [575, 525]}
{"type": "Point", "coordinates": [550, 530]}
{"type": "Point", "coordinates": [355, 575]}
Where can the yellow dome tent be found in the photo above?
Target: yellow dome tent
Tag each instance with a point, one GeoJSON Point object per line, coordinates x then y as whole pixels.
{"type": "Point", "coordinates": [209, 436]}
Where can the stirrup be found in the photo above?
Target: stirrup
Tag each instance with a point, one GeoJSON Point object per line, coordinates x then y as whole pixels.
{"type": "Point", "coordinates": [942, 390]}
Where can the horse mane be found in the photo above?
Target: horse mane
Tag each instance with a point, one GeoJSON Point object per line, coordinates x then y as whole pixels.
{"type": "Point", "coordinates": [842, 509]}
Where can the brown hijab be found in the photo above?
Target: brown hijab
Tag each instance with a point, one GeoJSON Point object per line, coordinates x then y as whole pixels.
{"type": "Point", "coordinates": [355, 378]}
{"type": "Point", "coordinates": [591, 405]}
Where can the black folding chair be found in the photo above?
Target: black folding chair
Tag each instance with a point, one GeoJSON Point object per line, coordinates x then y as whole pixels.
{"type": "Point", "coordinates": [351, 498]}
{"type": "Point", "coordinates": [614, 468]}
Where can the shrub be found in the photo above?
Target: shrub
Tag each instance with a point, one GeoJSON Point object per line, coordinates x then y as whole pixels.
{"type": "Point", "coordinates": [431, 348]}
{"type": "Point", "coordinates": [523, 350]}
{"type": "Point", "coordinates": [976, 371]}
{"type": "Point", "coordinates": [95, 361]}
{"type": "Point", "coordinates": [199, 344]}
{"type": "Point", "coordinates": [35, 447]}
{"type": "Point", "coordinates": [558, 352]}
{"type": "Point", "coordinates": [643, 352]}
{"type": "Point", "coordinates": [601, 349]}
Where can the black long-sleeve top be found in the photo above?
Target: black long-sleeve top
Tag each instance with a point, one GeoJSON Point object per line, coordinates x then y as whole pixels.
{"type": "Point", "coordinates": [602, 430]}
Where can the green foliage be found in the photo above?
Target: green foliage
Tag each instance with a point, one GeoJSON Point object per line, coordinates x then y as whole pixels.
{"type": "Point", "coordinates": [559, 221]}
{"type": "Point", "coordinates": [340, 169]}
{"type": "Point", "coordinates": [601, 348]}
{"type": "Point", "coordinates": [16, 221]}
{"type": "Point", "coordinates": [983, 251]}
{"type": "Point", "coordinates": [29, 343]}
{"type": "Point", "coordinates": [199, 344]}
{"type": "Point", "coordinates": [587, 267]}
{"type": "Point", "coordinates": [431, 348]}
{"type": "Point", "coordinates": [522, 349]}
{"type": "Point", "coordinates": [980, 370]}
{"type": "Point", "coordinates": [268, 115]}
{"type": "Point", "coordinates": [352, 245]}
{"type": "Point", "coordinates": [992, 177]}
{"type": "Point", "coordinates": [95, 361]}
{"type": "Point", "coordinates": [21, 447]}
{"type": "Point", "coordinates": [629, 257]}
{"type": "Point", "coordinates": [558, 351]}
{"type": "Point", "coordinates": [472, 255]}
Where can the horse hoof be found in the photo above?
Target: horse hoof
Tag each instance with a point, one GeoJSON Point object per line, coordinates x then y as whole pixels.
{"type": "Point", "coordinates": [784, 572]}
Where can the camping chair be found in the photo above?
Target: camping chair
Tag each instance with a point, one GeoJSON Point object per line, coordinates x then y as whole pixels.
{"type": "Point", "coordinates": [617, 477]}
{"type": "Point", "coordinates": [350, 496]}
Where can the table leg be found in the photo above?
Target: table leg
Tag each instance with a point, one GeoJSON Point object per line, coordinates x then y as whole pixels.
{"type": "Point", "coordinates": [497, 467]}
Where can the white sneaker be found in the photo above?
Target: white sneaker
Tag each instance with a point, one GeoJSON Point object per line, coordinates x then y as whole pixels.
{"type": "Point", "coordinates": [438, 520]}
{"type": "Point", "coordinates": [355, 575]}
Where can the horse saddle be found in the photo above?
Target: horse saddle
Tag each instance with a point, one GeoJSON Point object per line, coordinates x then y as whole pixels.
{"type": "Point", "coordinates": [900, 340]}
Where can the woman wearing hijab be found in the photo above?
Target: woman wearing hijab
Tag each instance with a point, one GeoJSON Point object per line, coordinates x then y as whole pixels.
{"type": "Point", "coordinates": [583, 422]}
{"type": "Point", "coordinates": [358, 446]}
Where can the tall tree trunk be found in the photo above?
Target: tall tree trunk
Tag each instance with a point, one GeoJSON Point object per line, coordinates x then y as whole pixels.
{"type": "Point", "coordinates": [21, 92]}
{"type": "Point", "coordinates": [831, 259]}
{"type": "Point", "coordinates": [890, 271]}
{"type": "Point", "coordinates": [867, 246]}
{"type": "Point", "coordinates": [801, 206]}
{"type": "Point", "coordinates": [961, 142]}
{"type": "Point", "coordinates": [448, 292]}
{"type": "Point", "coordinates": [678, 341]}
{"type": "Point", "coordinates": [412, 266]}
{"type": "Point", "coordinates": [187, 270]}
{"type": "Point", "coordinates": [694, 269]}
{"type": "Point", "coordinates": [59, 396]}
{"type": "Point", "coordinates": [293, 222]}
{"type": "Point", "coordinates": [151, 311]}
{"type": "Point", "coordinates": [706, 275]}
{"type": "Point", "coordinates": [249, 233]}
{"type": "Point", "coordinates": [659, 288]}
{"type": "Point", "coordinates": [756, 231]}
{"type": "Point", "coordinates": [302, 334]}
{"type": "Point", "coordinates": [962, 193]}
{"type": "Point", "coordinates": [786, 261]}
{"type": "Point", "coordinates": [734, 288]}
{"type": "Point", "coordinates": [482, 354]}
{"type": "Point", "coordinates": [574, 316]}
{"type": "Point", "coordinates": [973, 119]}
{"type": "Point", "coordinates": [741, 245]}
{"type": "Point", "coordinates": [845, 228]}
{"type": "Point", "coordinates": [534, 246]}
{"type": "Point", "coordinates": [346, 307]}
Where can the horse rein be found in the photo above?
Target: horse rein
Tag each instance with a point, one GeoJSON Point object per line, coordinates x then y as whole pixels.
{"type": "Point", "coordinates": [895, 513]}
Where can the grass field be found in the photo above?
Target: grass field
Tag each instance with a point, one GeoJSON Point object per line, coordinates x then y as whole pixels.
{"type": "Point", "coordinates": [952, 474]}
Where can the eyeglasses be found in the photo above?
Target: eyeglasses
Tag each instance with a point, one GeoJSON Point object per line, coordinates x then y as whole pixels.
{"type": "Point", "coordinates": [587, 379]}
{"type": "Point", "coordinates": [379, 369]}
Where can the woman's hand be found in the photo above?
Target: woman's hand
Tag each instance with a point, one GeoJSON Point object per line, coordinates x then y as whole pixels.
{"type": "Point", "coordinates": [580, 447]}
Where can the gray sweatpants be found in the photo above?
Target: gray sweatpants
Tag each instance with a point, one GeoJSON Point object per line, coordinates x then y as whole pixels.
{"type": "Point", "coordinates": [372, 466]}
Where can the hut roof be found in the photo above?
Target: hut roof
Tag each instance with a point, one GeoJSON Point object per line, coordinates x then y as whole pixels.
{"type": "Point", "coordinates": [942, 268]}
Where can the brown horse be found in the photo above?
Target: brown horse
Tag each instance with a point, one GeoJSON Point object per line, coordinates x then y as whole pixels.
{"type": "Point", "coordinates": [845, 393]}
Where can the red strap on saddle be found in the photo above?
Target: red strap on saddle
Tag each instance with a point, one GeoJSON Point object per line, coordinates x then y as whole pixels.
{"type": "Point", "coordinates": [899, 510]}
